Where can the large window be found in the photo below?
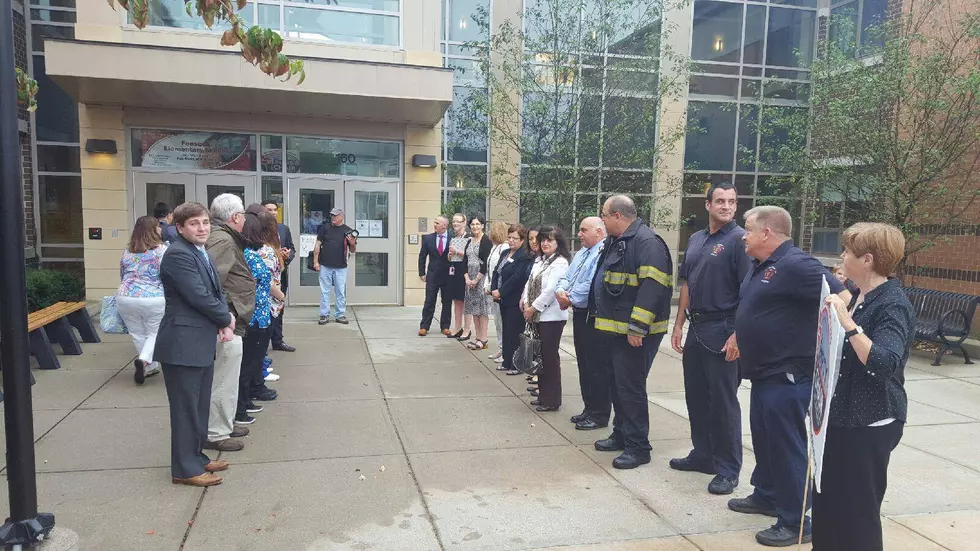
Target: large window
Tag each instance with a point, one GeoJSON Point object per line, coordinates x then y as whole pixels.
{"type": "Point", "coordinates": [857, 26]}
{"type": "Point", "coordinates": [375, 22]}
{"type": "Point", "coordinates": [466, 133]}
{"type": "Point", "coordinates": [745, 52]}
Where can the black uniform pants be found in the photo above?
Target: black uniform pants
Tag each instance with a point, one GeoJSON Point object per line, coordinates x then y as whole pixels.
{"type": "Point", "coordinates": [549, 379]}
{"type": "Point", "coordinates": [513, 327]}
{"type": "Point", "coordinates": [847, 513]}
{"type": "Point", "coordinates": [711, 391]}
{"type": "Point", "coordinates": [628, 367]}
{"type": "Point", "coordinates": [593, 375]}
{"type": "Point", "coordinates": [254, 346]}
{"type": "Point", "coordinates": [429, 308]}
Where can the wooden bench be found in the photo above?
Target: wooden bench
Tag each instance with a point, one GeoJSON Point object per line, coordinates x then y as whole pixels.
{"type": "Point", "coordinates": [943, 318]}
{"type": "Point", "coordinates": [57, 322]}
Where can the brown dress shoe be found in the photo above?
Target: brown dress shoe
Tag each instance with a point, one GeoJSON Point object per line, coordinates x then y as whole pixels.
{"type": "Point", "coordinates": [447, 332]}
{"type": "Point", "coordinates": [423, 332]}
{"type": "Point", "coordinates": [216, 465]}
{"type": "Point", "coordinates": [239, 432]}
{"type": "Point", "coordinates": [226, 445]}
{"type": "Point", "coordinates": [201, 480]}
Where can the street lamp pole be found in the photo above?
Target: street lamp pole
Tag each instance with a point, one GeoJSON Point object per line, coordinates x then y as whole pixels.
{"type": "Point", "coordinates": [25, 526]}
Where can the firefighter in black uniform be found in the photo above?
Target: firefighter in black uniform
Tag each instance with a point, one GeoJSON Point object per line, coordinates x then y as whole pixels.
{"type": "Point", "coordinates": [630, 303]}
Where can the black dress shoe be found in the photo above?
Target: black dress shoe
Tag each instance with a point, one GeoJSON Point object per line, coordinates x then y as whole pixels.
{"type": "Point", "coordinates": [590, 424]}
{"type": "Point", "coordinates": [609, 445]}
{"type": "Point", "coordinates": [751, 506]}
{"type": "Point", "coordinates": [535, 402]}
{"type": "Point", "coordinates": [532, 389]}
{"type": "Point", "coordinates": [265, 395]}
{"type": "Point", "coordinates": [547, 408]}
{"type": "Point", "coordinates": [688, 464]}
{"type": "Point", "coordinates": [580, 417]}
{"type": "Point", "coordinates": [630, 460]}
{"type": "Point", "coordinates": [778, 535]}
{"type": "Point", "coordinates": [534, 392]}
{"type": "Point", "coordinates": [722, 485]}
{"type": "Point", "coordinates": [283, 347]}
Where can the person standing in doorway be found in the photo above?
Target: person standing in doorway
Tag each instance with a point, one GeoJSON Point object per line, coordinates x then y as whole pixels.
{"type": "Point", "coordinates": [714, 266]}
{"type": "Point", "coordinates": [195, 318]}
{"type": "Point", "coordinates": [288, 252]}
{"type": "Point", "coordinates": [573, 292]}
{"type": "Point", "coordinates": [165, 217]}
{"type": "Point", "coordinates": [334, 242]}
{"type": "Point", "coordinates": [434, 272]}
{"type": "Point", "coordinates": [630, 300]}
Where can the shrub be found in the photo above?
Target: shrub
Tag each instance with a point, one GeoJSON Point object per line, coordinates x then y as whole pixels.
{"type": "Point", "coordinates": [46, 287]}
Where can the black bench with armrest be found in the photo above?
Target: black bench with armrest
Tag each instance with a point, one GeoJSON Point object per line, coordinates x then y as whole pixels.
{"type": "Point", "coordinates": [943, 317]}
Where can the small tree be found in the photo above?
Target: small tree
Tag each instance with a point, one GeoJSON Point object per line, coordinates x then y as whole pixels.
{"type": "Point", "coordinates": [575, 89]}
{"type": "Point", "coordinates": [893, 134]}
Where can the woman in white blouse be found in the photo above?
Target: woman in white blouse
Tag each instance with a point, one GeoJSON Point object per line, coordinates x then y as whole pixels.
{"type": "Point", "coordinates": [498, 235]}
{"type": "Point", "coordinates": [543, 311]}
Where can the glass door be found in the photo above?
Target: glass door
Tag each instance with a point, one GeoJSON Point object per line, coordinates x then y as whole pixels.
{"type": "Point", "coordinates": [210, 186]}
{"type": "Point", "coordinates": [152, 188]}
{"type": "Point", "coordinates": [308, 205]}
{"type": "Point", "coordinates": [371, 209]}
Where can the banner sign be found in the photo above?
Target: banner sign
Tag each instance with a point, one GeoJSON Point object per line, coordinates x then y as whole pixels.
{"type": "Point", "coordinates": [830, 343]}
{"type": "Point", "coordinates": [194, 150]}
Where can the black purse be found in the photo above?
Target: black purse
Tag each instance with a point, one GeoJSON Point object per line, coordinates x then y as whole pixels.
{"type": "Point", "coordinates": [527, 358]}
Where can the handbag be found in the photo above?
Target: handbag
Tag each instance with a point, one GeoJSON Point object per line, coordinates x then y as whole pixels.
{"type": "Point", "coordinates": [109, 319]}
{"type": "Point", "coordinates": [527, 358]}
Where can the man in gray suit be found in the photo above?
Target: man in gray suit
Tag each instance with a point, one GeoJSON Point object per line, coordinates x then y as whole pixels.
{"type": "Point", "coordinates": [195, 312]}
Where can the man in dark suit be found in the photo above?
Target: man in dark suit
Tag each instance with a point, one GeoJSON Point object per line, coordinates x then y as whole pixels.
{"type": "Point", "coordinates": [196, 315]}
{"type": "Point", "coordinates": [289, 252]}
{"type": "Point", "coordinates": [435, 249]}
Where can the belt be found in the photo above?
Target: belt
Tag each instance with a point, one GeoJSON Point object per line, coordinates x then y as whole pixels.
{"type": "Point", "coordinates": [589, 316]}
{"type": "Point", "coordinates": [698, 317]}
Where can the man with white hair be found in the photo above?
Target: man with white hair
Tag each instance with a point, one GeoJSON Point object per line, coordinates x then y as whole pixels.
{"type": "Point", "coordinates": [776, 339]}
{"type": "Point", "coordinates": [226, 246]}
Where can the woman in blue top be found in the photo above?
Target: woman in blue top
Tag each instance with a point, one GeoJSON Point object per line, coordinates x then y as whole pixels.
{"type": "Point", "coordinates": [140, 299]}
{"type": "Point", "coordinates": [257, 336]}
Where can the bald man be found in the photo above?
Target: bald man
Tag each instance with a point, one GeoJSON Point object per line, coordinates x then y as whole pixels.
{"type": "Point", "coordinates": [573, 292]}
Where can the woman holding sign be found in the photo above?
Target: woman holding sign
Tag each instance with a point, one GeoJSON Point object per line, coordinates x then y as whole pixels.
{"type": "Point", "coordinates": [868, 410]}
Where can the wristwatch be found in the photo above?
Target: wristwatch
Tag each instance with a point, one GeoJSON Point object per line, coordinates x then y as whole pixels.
{"type": "Point", "coordinates": [856, 331]}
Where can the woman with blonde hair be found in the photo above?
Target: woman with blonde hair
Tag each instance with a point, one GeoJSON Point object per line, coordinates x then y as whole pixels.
{"type": "Point", "coordinates": [498, 236]}
{"type": "Point", "coordinates": [869, 409]}
{"type": "Point", "coordinates": [140, 300]}
{"type": "Point", "coordinates": [456, 283]}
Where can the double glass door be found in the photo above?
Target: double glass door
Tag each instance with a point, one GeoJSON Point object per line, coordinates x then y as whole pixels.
{"type": "Point", "coordinates": [176, 188]}
{"type": "Point", "coordinates": [370, 208]}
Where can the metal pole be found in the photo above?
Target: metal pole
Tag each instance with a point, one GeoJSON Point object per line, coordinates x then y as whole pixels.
{"type": "Point", "coordinates": [24, 525]}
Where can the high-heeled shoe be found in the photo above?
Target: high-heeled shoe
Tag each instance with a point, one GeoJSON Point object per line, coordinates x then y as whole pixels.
{"type": "Point", "coordinates": [454, 335]}
{"type": "Point", "coordinates": [466, 338]}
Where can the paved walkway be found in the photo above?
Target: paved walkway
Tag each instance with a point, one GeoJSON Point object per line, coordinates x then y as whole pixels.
{"type": "Point", "coordinates": [382, 440]}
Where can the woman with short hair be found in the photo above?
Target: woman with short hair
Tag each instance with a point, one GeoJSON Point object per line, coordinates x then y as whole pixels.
{"type": "Point", "coordinates": [507, 286]}
{"type": "Point", "coordinates": [868, 412]}
{"type": "Point", "coordinates": [498, 236]}
{"type": "Point", "coordinates": [456, 282]}
{"type": "Point", "coordinates": [140, 300]}
{"type": "Point", "coordinates": [476, 303]}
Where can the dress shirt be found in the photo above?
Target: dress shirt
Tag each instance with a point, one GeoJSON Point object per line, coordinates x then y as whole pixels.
{"type": "Point", "coordinates": [577, 281]}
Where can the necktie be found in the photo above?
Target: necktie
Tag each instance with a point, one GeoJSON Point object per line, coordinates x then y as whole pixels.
{"type": "Point", "coordinates": [440, 246]}
{"type": "Point", "coordinates": [207, 262]}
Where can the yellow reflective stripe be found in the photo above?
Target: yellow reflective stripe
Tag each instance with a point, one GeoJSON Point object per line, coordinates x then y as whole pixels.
{"type": "Point", "coordinates": [619, 278]}
{"type": "Point", "coordinates": [621, 328]}
{"type": "Point", "coordinates": [611, 326]}
{"type": "Point", "coordinates": [642, 316]}
{"type": "Point", "coordinates": [654, 274]}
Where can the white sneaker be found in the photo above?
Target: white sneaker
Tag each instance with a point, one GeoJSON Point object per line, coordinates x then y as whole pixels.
{"type": "Point", "coordinates": [272, 377]}
{"type": "Point", "coordinates": [152, 368]}
{"type": "Point", "coordinates": [499, 360]}
{"type": "Point", "coordinates": [269, 369]}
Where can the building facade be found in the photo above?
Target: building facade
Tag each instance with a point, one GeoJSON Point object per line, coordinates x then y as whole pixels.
{"type": "Point", "coordinates": [191, 119]}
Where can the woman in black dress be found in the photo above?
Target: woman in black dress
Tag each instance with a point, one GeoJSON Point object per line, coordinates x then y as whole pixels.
{"type": "Point", "coordinates": [456, 285]}
{"type": "Point", "coordinates": [507, 287]}
{"type": "Point", "coordinates": [868, 412]}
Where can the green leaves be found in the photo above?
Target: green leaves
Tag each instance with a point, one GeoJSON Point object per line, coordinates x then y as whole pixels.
{"type": "Point", "coordinates": [260, 46]}
{"type": "Point", "coordinates": [26, 90]}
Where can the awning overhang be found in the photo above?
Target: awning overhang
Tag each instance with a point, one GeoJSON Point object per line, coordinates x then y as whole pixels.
{"type": "Point", "coordinates": [157, 77]}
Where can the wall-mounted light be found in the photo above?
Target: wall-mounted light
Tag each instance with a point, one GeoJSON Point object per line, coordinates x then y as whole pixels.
{"type": "Point", "coordinates": [424, 161]}
{"type": "Point", "coordinates": [101, 146]}
{"type": "Point", "coordinates": [719, 44]}
{"type": "Point", "coordinates": [462, 24]}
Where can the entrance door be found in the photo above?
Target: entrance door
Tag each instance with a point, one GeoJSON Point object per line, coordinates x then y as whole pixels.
{"type": "Point", "coordinates": [370, 207]}
{"type": "Point", "coordinates": [176, 188]}
{"type": "Point", "coordinates": [308, 204]}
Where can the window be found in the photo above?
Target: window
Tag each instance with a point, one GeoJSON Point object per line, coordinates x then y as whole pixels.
{"type": "Point", "coordinates": [789, 42]}
{"type": "Point", "coordinates": [346, 157]}
{"type": "Point", "coordinates": [467, 134]}
{"type": "Point", "coordinates": [857, 26]}
{"type": "Point", "coordinates": [374, 22]}
{"type": "Point", "coordinates": [711, 136]}
{"type": "Point", "coordinates": [717, 34]}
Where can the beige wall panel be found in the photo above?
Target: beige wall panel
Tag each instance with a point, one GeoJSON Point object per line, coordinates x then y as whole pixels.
{"type": "Point", "coordinates": [104, 277]}
{"type": "Point", "coordinates": [415, 209]}
{"type": "Point", "coordinates": [98, 12]}
{"type": "Point", "coordinates": [422, 24]}
{"type": "Point", "coordinates": [104, 259]}
{"type": "Point", "coordinates": [114, 180]}
{"type": "Point", "coordinates": [100, 117]}
{"type": "Point", "coordinates": [95, 294]}
{"type": "Point", "coordinates": [106, 219]}
{"type": "Point", "coordinates": [423, 136]}
{"type": "Point", "coordinates": [428, 59]}
{"type": "Point", "coordinates": [415, 297]}
{"type": "Point", "coordinates": [103, 199]}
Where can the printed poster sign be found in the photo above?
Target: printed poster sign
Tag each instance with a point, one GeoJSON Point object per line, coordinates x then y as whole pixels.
{"type": "Point", "coordinates": [307, 242]}
{"type": "Point", "coordinates": [830, 343]}
{"type": "Point", "coordinates": [195, 150]}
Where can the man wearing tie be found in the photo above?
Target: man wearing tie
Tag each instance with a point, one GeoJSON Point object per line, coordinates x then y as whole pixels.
{"type": "Point", "coordinates": [435, 249]}
{"type": "Point", "coordinates": [573, 291]}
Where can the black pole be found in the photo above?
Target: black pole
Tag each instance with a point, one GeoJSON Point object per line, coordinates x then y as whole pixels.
{"type": "Point", "coordinates": [24, 526]}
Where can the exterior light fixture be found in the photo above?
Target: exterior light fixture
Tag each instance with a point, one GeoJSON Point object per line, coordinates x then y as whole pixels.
{"type": "Point", "coordinates": [719, 44]}
{"type": "Point", "coordinates": [101, 146]}
{"type": "Point", "coordinates": [424, 161]}
{"type": "Point", "coordinates": [462, 24]}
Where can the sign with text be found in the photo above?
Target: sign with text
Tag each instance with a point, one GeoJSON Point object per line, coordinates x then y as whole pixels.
{"type": "Point", "coordinates": [826, 367]}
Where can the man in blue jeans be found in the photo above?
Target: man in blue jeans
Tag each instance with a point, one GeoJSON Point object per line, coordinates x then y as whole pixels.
{"type": "Point", "coordinates": [334, 243]}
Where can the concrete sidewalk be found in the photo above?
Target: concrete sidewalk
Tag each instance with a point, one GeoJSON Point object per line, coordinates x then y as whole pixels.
{"type": "Point", "coordinates": [384, 440]}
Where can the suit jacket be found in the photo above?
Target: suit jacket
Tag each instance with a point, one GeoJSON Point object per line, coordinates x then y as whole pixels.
{"type": "Point", "coordinates": [438, 264]}
{"type": "Point", "coordinates": [168, 232]}
{"type": "Point", "coordinates": [512, 277]}
{"type": "Point", "coordinates": [195, 308]}
{"type": "Point", "coordinates": [286, 241]}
